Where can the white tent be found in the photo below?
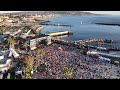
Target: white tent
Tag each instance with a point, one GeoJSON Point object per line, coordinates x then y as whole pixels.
{"type": "Point", "coordinates": [101, 48]}
{"type": "Point", "coordinates": [13, 34]}
{"type": "Point", "coordinates": [26, 34]}
{"type": "Point", "coordinates": [92, 53]}
{"type": "Point", "coordinates": [103, 58]}
{"type": "Point", "coordinates": [10, 54]}
{"type": "Point", "coordinates": [13, 52]}
{"type": "Point", "coordinates": [18, 72]}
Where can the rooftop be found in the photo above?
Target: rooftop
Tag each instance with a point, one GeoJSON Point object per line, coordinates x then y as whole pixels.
{"type": "Point", "coordinates": [3, 61]}
{"type": "Point", "coordinates": [39, 36]}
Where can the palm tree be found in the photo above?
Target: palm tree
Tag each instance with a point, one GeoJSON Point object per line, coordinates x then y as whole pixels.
{"type": "Point", "coordinates": [39, 54]}
{"type": "Point", "coordinates": [26, 45]}
{"type": "Point", "coordinates": [28, 60]}
{"type": "Point", "coordinates": [3, 30]}
{"type": "Point", "coordinates": [11, 41]}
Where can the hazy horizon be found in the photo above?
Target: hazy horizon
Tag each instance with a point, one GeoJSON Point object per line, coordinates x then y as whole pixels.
{"type": "Point", "coordinates": [106, 12]}
{"type": "Point", "coordinates": [96, 12]}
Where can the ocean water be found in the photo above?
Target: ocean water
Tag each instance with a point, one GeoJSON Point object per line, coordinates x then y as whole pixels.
{"type": "Point", "coordinates": [87, 29]}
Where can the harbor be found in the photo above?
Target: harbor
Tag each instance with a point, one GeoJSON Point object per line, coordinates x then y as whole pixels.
{"type": "Point", "coordinates": [40, 50]}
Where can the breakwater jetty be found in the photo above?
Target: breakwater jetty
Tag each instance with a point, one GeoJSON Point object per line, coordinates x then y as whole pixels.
{"type": "Point", "coordinates": [57, 24]}
{"type": "Point", "coordinates": [108, 24]}
{"type": "Point", "coordinates": [63, 42]}
{"type": "Point", "coordinates": [114, 49]}
{"type": "Point", "coordinates": [78, 45]}
{"type": "Point", "coordinates": [98, 41]}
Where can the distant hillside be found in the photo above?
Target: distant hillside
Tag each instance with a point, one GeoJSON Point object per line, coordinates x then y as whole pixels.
{"type": "Point", "coordinates": [80, 13]}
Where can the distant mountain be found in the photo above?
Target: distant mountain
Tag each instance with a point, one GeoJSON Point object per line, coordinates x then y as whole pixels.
{"type": "Point", "coordinates": [80, 13]}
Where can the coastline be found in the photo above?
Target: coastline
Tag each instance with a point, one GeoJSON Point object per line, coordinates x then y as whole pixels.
{"type": "Point", "coordinates": [73, 57]}
{"type": "Point", "coordinates": [55, 16]}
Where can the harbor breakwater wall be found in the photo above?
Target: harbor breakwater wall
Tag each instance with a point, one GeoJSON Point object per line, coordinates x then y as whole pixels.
{"type": "Point", "coordinates": [78, 45]}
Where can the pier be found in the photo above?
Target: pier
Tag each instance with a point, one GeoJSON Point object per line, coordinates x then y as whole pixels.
{"type": "Point", "coordinates": [60, 33]}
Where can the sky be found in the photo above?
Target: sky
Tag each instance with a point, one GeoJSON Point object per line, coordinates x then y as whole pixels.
{"type": "Point", "coordinates": [97, 12]}
{"type": "Point", "coordinates": [106, 12]}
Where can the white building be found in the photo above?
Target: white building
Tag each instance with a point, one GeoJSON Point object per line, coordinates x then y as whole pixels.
{"type": "Point", "coordinates": [6, 62]}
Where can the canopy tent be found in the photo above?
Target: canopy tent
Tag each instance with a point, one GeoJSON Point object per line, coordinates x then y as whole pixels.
{"type": "Point", "coordinates": [14, 53]}
{"type": "Point", "coordinates": [13, 34]}
{"type": "Point", "coordinates": [101, 48]}
{"type": "Point", "coordinates": [26, 34]}
{"type": "Point", "coordinates": [92, 52]}
{"type": "Point", "coordinates": [18, 72]}
{"type": "Point", "coordinates": [103, 58]}
{"type": "Point", "coordinates": [117, 62]}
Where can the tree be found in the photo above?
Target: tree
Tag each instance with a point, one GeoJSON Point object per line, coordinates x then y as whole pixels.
{"type": "Point", "coordinates": [28, 60]}
{"type": "Point", "coordinates": [11, 41]}
{"type": "Point", "coordinates": [4, 42]}
{"type": "Point", "coordinates": [26, 45]}
{"type": "Point", "coordinates": [66, 71]}
{"type": "Point", "coordinates": [3, 30]}
{"type": "Point", "coordinates": [27, 72]}
{"type": "Point", "coordinates": [39, 54]}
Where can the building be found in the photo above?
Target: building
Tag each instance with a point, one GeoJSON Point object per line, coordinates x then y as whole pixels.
{"type": "Point", "coordinates": [40, 39]}
{"type": "Point", "coordinates": [6, 61]}
{"type": "Point", "coordinates": [34, 30]}
{"type": "Point", "coordinates": [37, 28]}
{"type": "Point", "coordinates": [1, 56]}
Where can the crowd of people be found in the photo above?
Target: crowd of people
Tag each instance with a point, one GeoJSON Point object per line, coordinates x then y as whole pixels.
{"type": "Point", "coordinates": [82, 66]}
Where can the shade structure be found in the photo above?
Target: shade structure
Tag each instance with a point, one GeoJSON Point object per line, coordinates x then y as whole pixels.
{"type": "Point", "coordinates": [14, 53]}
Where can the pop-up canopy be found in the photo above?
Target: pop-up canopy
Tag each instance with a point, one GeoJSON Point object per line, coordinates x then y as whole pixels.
{"type": "Point", "coordinates": [14, 53]}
